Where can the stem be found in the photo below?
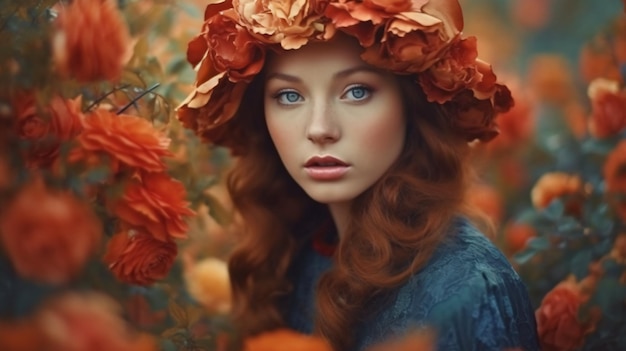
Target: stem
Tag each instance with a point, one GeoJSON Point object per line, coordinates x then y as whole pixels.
{"type": "Point", "coordinates": [132, 102]}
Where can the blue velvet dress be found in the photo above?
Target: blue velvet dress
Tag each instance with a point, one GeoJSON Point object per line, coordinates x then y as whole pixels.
{"type": "Point", "coordinates": [468, 292]}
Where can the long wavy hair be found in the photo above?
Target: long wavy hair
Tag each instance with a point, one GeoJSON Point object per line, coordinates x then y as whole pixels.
{"type": "Point", "coordinates": [395, 225]}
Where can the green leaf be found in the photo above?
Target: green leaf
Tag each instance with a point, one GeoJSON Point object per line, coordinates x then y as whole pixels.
{"type": "Point", "coordinates": [524, 256]}
{"type": "Point", "coordinates": [539, 243]}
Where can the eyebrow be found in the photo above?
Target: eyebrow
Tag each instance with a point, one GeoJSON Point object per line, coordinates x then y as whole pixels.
{"type": "Point", "coordinates": [340, 74]}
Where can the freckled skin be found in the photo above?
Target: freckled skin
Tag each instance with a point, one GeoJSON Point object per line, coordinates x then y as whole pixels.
{"type": "Point", "coordinates": [324, 100]}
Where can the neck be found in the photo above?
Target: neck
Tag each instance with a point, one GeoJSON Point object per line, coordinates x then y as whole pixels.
{"type": "Point", "coordinates": [341, 216]}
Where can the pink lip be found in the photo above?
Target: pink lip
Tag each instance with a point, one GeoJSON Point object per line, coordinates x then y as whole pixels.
{"type": "Point", "coordinates": [325, 168]}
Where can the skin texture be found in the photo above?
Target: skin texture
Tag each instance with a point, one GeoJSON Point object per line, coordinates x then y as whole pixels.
{"type": "Point", "coordinates": [323, 100]}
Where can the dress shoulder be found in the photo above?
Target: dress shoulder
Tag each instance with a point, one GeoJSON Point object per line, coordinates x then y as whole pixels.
{"type": "Point", "coordinates": [469, 293]}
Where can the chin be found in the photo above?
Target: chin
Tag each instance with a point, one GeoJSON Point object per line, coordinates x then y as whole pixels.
{"type": "Point", "coordinates": [331, 196]}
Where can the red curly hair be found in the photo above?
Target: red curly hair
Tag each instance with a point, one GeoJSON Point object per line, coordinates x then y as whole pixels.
{"type": "Point", "coordinates": [395, 225]}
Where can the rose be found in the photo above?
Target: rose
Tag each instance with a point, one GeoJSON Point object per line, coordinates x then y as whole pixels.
{"type": "Point", "coordinates": [88, 321]}
{"type": "Point", "coordinates": [99, 50]}
{"type": "Point", "coordinates": [46, 129]}
{"type": "Point", "coordinates": [154, 203]}
{"type": "Point", "coordinates": [555, 185]}
{"type": "Point", "coordinates": [615, 176]}
{"type": "Point", "coordinates": [47, 235]}
{"type": "Point", "coordinates": [558, 325]}
{"type": "Point", "coordinates": [285, 340]}
{"type": "Point", "coordinates": [208, 283]}
{"type": "Point", "coordinates": [517, 235]}
{"type": "Point", "coordinates": [471, 117]}
{"type": "Point", "coordinates": [136, 257]}
{"type": "Point", "coordinates": [288, 22]}
{"type": "Point", "coordinates": [608, 108]}
{"type": "Point", "coordinates": [412, 41]}
{"type": "Point", "coordinates": [129, 140]}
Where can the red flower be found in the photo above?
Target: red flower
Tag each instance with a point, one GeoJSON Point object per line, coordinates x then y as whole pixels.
{"type": "Point", "coordinates": [130, 140]}
{"type": "Point", "coordinates": [554, 185]}
{"type": "Point", "coordinates": [558, 325]}
{"type": "Point", "coordinates": [155, 203]}
{"type": "Point", "coordinates": [91, 41]}
{"type": "Point", "coordinates": [608, 108]}
{"type": "Point", "coordinates": [48, 236]}
{"type": "Point", "coordinates": [136, 257]}
{"type": "Point", "coordinates": [47, 128]}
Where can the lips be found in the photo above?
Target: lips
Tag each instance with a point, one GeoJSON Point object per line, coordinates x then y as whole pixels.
{"type": "Point", "coordinates": [326, 168]}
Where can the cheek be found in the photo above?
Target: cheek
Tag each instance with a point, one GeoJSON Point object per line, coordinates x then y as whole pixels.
{"type": "Point", "coordinates": [385, 134]}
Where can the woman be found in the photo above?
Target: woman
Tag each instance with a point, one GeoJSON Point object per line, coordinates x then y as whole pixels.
{"type": "Point", "coordinates": [351, 123]}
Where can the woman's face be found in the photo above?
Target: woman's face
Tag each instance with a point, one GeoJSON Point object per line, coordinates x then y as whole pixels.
{"type": "Point", "coordinates": [337, 123]}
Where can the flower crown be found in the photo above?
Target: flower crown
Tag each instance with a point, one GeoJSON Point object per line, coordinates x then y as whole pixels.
{"type": "Point", "coordinates": [409, 37]}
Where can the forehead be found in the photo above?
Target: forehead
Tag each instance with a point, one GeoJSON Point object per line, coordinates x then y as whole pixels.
{"type": "Point", "coordinates": [339, 53]}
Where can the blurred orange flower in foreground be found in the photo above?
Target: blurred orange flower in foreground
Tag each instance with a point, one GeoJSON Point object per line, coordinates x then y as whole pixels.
{"type": "Point", "coordinates": [615, 176]}
{"type": "Point", "coordinates": [208, 283]}
{"type": "Point", "coordinates": [130, 139]}
{"type": "Point", "coordinates": [285, 340]}
{"type": "Point", "coordinates": [48, 235]}
{"type": "Point", "coordinates": [608, 108]}
{"type": "Point", "coordinates": [156, 203]}
{"type": "Point", "coordinates": [558, 325]}
{"type": "Point", "coordinates": [554, 185]}
{"type": "Point", "coordinates": [516, 236]}
{"type": "Point", "coordinates": [137, 258]}
{"type": "Point", "coordinates": [91, 41]}
{"type": "Point", "coordinates": [47, 127]}
{"type": "Point", "coordinates": [89, 322]}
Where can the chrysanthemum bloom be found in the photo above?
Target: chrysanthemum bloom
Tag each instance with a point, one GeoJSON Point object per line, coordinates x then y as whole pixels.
{"type": "Point", "coordinates": [615, 177]}
{"type": "Point", "coordinates": [89, 321]}
{"type": "Point", "coordinates": [155, 203]}
{"type": "Point", "coordinates": [558, 324]}
{"type": "Point", "coordinates": [91, 41]}
{"type": "Point", "coordinates": [44, 129]}
{"type": "Point", "coordinates": [608, 108]}
{"type": "Point", "coordinates": [554, 185]}
{"type": "Point", "coordinates": [136, 257]}
{"type": "Point", "coordinates": [128, 140]}
{"type": "Point", "coordinates": [208, 283]}
{"type": "Point", "coordinates": [48, 235]}
{"type": "Point", "coordinates": [285, 340]}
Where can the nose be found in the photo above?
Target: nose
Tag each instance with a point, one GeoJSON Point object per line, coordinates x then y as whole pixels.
{"type": "Point", "coordinates": [323, 127]}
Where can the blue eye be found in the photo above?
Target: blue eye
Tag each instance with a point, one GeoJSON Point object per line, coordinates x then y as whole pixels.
{"type": "Point", "coordinates": [288, 97]}
{"type": "Point", "coordinates": [358, 93]}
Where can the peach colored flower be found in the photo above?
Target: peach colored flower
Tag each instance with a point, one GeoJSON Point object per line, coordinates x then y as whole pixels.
{"type": "Point", "coordinates": [228, 47]}
{"type": "Point", "coordinates": [615, 177]}
{"type": "Point", "coordinates": [129, 140]}
{"type": "Point", "coordinates": [91, 41]}
{"type": "Point", "coordinates": [531, 14]}
{"type": "Point", "coordinates": [558, 325]}
{"type": "Point", "coordinates": [285, 340]}
{"type": "Point", "coordinates": [155, 203]}
{"type": "Point", "coordinates": [554, 185]}
{"type": "Point", "coordinates": [288, 22]}
{"type": "Point", "coordinates": [48, 235]}
{"type": "Point", "coordinates": [550, 79]}
{"type": "Point", "coordinates": [88, 321]}
{"type": "Point", "coordinates": [516, 236]}
{"type": "Point", "coordinates": [207, 281]}
{"type": "Point", "coordinates": [136, 257]}
{"type": "Point", "coordinates": [412, 41]}
{"type": "Point", "coordinates": [46, 128]}
{"type": "Point", "coordinates": [608, 108]}
{"type": "Point", "coordinates": [486, 199]}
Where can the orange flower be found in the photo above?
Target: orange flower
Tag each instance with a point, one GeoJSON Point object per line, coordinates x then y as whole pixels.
{"type": "Point", "coordinates": [615, 176]}
{"type": "Point", "coordinates": [554, 185]}
{"type": "Point", "coordinates": [288, 22]}
{"type": "Point", "coordinates": [412, 41]}
{"type": "Point", "coordinates": [516, 236]}
{"type": "Point", "coordinates": [208, 283]}
{"type": "Point", "coordinates": [551, 79]}
{"type": "Point", "coordinates": [597, 60]}
{"type": "Point", "coordinates": [48, 236]}
{"type": "Point", "coordinates": [88, 321]}
{"type": "Point", "coordinates": [608, 108]}
{"type": "Point", "coordinates": [285, 340]}
{"type": "Point", "coordinates": [155, 203]}
{"type": "Point", "coordinates": [46, 129]}
{"type": "Point", "coordinates": [91, 41]}
{"type": "Point", "coordinates": [131, 140]}
{"type": "Point", "coordinates": [135, 257]}
{"type": "Point", "coordinates": [21, 335]}
{"type": "Point", "coordinates": [558, 325]}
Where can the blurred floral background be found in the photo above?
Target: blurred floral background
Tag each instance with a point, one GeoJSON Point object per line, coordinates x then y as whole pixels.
{"type": "Point", "coordinates": [114, 221]}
